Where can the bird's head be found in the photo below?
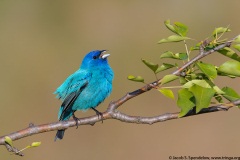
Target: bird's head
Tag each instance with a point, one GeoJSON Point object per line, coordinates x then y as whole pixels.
{"type": "Point", "coordinates": [96, 58]}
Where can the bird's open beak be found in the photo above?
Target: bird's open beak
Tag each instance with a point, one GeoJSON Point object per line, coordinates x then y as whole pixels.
{"type": "Point", "coordinates": [104, 56]}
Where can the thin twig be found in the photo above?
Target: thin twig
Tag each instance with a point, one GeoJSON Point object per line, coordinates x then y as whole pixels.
{"type": "Point", "coordinates": [14, 150]}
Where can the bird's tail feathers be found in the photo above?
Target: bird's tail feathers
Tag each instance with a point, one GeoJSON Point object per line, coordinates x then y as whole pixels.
{"type": "Point", "coordinates": [59, 135]}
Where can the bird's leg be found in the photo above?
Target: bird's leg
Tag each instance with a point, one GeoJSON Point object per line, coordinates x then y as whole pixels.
{"type": "Point", "coordinates": [75, 119]}
{"type": "Point", "coordinates": [98, 113]}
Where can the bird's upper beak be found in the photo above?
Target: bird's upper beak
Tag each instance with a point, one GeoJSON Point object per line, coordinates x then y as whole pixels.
{"type": "Point", "coordinates": [104, 56]}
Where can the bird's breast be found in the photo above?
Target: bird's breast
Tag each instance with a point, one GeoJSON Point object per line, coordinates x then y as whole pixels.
{"type": "Point", "coordinates": [99, 87]}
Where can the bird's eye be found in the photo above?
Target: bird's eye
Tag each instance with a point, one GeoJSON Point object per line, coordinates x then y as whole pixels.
{"type": "Point", "coordinates": [94, 57]}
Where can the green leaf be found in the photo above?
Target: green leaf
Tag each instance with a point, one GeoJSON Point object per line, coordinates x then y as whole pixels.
{"type": "Point", "coordinates": [195, 76]}
{"type": "Point", "coordinates": [229, 53]}
{"type": "Point", "coordinates": [219, 99]}
{"type": "Point", "coordinates": [188, 84]}
{"type": "Point", "coordinates": [230, 67]}
{"type": "Point", "coordinates": [202, 96]}
{"type": "Point", "coordinates": [224, 74]}
{"type": "Point", "coordinates": [150, 65]}
{"type": "Point", "coordinates": [201, 83]}
{"type": "Point", "coordinates": [218, 90]}
{"type": "Point", "coordinates": [230, 94]}
{"type": "Point", "coordinates": [8, 140]}
{"type": "Point", "coordinates": [185, 101]}
{"type": "Point", "coordinates": [196, 47]}
{"type": "Point", "coordinates": [169, 54]}
{"type": "Point", "coordinates": [135, 79]}
{"type": "Point", "coordinates": [173, 38]}
{"type": "Point", "coordinates": [220, 30]}
{"type": "Point", "coordinates": [35, 144]}
{"type": "Point", "coordinates": [168, 78]}
{"type": "Point", "coordinates": [208, 69]}
{"type": "Point", "coordinates": [237, 39]}
{"type": "Point", "coordinates": [182, 80]}
{"type": "Point", "coordinates": [181, 56]}
{"type": "Point", "coordinates": [163, 67]}
{"type": "Point", "coordinates": [167, 92]}
{"type": "Point", "coordinates": [169, 26]}
{"type": "Point", "coordinates": [181, 29]}
{"type": "Point", "coordinates": [237, 47]}
{"type": "Point", "coordinates": [178, 28]}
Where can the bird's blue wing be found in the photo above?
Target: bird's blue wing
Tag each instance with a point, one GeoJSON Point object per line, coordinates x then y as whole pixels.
{"type": "Point", "coordinates": [66, 107]}
{"type": "Point", "coordinates": [69, 91]}
{"type": "Point", "coordinates": [72, 84]}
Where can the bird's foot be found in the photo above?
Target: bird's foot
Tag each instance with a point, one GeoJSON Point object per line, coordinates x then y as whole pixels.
{"type": "Point", "coordinates": [76, 120]}
{"type": "Point", "coordinates": [98, 113]}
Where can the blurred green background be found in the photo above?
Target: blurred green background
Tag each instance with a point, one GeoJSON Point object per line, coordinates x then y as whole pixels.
{"type": "Point", "coordinates": [44, 41]}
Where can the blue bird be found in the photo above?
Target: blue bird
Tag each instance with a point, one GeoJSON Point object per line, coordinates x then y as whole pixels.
{"type": "Point", "coordinates": [86, 88]}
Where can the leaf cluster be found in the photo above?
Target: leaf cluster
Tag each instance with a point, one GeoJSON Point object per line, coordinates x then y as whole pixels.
{"type": "Point", "coordinates": [196, 82]}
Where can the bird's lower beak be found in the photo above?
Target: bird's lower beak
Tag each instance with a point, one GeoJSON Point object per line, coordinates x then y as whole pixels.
{"type": "Point", "coordinates": [104, 56]}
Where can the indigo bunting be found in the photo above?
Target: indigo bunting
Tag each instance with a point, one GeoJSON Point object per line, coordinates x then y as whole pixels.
{"type": "Point", "coordinates": [86, 88]}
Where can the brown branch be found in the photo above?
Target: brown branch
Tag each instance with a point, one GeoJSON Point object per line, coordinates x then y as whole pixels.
{"type": "Point", "coordinates": [169, 116]}
{"type": "Point", "coordinates": [31, 130]}
{"type": "Point", "coordinates": [14, 150]}
{"type": "Point", "coordinates": [113, 113]}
